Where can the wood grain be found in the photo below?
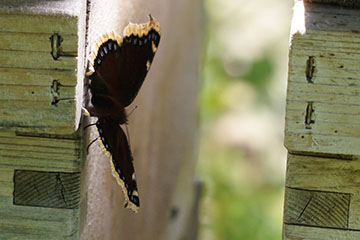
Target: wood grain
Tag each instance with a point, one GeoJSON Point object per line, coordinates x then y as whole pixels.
{"type": "Point", "coordinates": [334, 177]}
{"type": "Point", "coordinates": [345, 3]}
{"type": "Point", "coordinates": [48, 119]}
{"type": "Point", "coordinates": [322, 129]}
{"type": "Point", "coordinates": [36, 77]}
{"type": "Point", "coordinates": [27, 68]}
{"type": "Point", "coordinates": [334, 88]}
{"type": "Point", "coordinates": [48, 154]}
{"type": "Point", "coordinates": [46, 189]}
{"type": "Point", "coordinates": [40, 146]}
{"type": "Point", "coordinates": [62, 24]}
{"type": "Point", "coordinates": [293, 232]}
{"type": "Point", "coordinates": [19, 41]}
{"type": "Point", "coordinates": [40, 60]}
{"type": "Point", "coordinates": [316, 208]}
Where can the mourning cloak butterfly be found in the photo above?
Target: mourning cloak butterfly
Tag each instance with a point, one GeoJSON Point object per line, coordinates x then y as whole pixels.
{"type": "Point", "coordinates": [118, 69]}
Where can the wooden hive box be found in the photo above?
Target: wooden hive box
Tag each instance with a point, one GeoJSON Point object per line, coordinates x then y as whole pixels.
{"type": "Point", "coordinates": [41, 71]}
{"type": "Point", "coordinates": [322, 133]}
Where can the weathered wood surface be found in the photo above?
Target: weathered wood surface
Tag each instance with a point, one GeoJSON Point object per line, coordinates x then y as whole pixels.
{"type": "Point", "coordinates": [322, 134]}
{"type": "Point", "coordinates": [42, 153]}
{"type": "Point", "coordinates": [162, 130]}
{"type": "Point", "coordinates": [316, 208]}
{"type": "Point", "coordinates": [44, 214]}
{"type": "Point", "coordinates": [345, 3]}
{"type": "Point", "coordinates": [28, 68]}
{"type": "Point", "coordinates": [329, 83]}
{"type": "Point", "coordinates": [293, 232]}
{"type": "Point", "coordinates": [322, 192]}
{"type": "Point", "coordinates": [47, 189]}
{"type": "Point", "coordinates": [40, 146]}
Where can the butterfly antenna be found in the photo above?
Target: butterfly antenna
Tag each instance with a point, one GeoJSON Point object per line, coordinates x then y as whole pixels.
{"type": "Point", "coordinates": [132, 111]}
{"type": "Point", "coordinates": [92, 124]}
{"type": "Point", "coordinates": [87, 149]}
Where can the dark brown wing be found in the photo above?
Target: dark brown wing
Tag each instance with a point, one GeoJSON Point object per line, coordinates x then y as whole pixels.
{"type": "Point", "coordinates": [114, 141]}
{"type": "Point", "coordinates": [121, 65]}
{"type": "Point", "coordinates": [104, 102]}
{"type": "Point", "coordinates": [137, 54]}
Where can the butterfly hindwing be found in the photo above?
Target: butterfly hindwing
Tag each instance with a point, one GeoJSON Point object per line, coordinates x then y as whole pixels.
{"type": "Point", "coordinates": [115, 142]}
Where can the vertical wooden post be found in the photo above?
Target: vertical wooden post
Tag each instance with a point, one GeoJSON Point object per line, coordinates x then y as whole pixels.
{"type": "Point", "coordinates": [322, 131]}
{"type": "Point", "coordinates": [162, 130]}
{"type": "Point", "coordinates": [41, 70]}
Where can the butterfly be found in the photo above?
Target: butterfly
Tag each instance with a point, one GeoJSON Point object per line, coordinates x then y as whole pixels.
{"type": "Point", "coordinates": [118, 69]}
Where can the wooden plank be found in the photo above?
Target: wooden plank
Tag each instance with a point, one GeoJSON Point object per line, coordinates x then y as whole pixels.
{"type": "Point", "coordinates": [316, 208]}
{"type": "Point", "coordinates": [326, 175]}
{"type": "Point", "coordinates": [296, 73]}
{"type": "Point", "coordinates": [60, 7]}
{"type": "Point", "coordinates": [37, 77]}
{"type": "Point", "coordinates": [352, 4]}
{"type": "Point", "coordinates": [34, 93]}
{"type": "Point", "coordinates": [317, 144]}
{"type": "Point", "coordinates": [326, 64]}
{"type": "Point", "coordinates": [40, 149]}
{"type": "Point", "coordinates": [322, 132]}
{"type": "Point", "coordinates": [35, 42]}
{"type": "Point", "coordinates": [36, 213]}
{"type": "Point", "coordinates": [41, 229]}
{"type": "Point", "coordinates": [43, 235]}
{"type": "Point", "coordinates": [46, 189]}
{"type": "Point", "coordinates": [341, 81]}
{"type": "Point", "coordinates": [348, 126]}
{"type": "Point", "coordinates": [324, 107]}
{"type": "Point", "coordinates": [39, 153]}
{"type": "Point", "coordinates": [34, 23]}
{"type": "Point", "coordinates": [322, 17]}
{"type": "Point", "coordinates": [65, 142]}
{"type": "Point", "coordinates": [38, 116]}
{"type": "Point", "coordinates": [297, 117]}
{"type": "Point", "coordinates": [45, 150]}
{"type": "Point", "coordinates": [294, 232]}
{"type": "Point", "coordinates": [24, 153]}
{"type": "Point", "coordinates": [337, 92]}
{"type": "Point", "coordinates": [346, 47]}
{"type": "Point", "coordinates": [6, 188]}
{"type": "Point", "coordinates": [6, 174]}
{"type": "Point", "coordinates": [37, 60]}
{"type": "Point", "coordinates": [323, 174]}
{"type": "Point", "coordinates": [325, 98]}
{"type": "Point", "coordinates": [329, 83]}
{"type": "Point", "coordinates": [26, 222]}
{"type": "Point", "coordinates": [41, 164]}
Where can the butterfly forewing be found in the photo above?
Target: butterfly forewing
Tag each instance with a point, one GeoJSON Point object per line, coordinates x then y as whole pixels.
{"type": "Point", "coordinates": [105, 102]}
{"type": "Point", "coordinates": [137, 54]}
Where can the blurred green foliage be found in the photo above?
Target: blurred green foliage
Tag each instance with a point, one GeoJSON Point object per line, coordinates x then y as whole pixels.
{"type": "Point", "coordinates": [234, 206]}
{"type": "Point", "coordinates": [242, 199]}
{"type": "Point", "coordinates": [259, 74]}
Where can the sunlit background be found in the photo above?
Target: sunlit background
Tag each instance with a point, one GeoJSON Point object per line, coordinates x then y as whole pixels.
{"type": "Point", "coordinates": [242, 105]}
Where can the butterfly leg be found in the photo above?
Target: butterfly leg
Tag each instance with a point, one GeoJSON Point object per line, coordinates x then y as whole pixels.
{"type": "Point", "coordinates": [87, 149]}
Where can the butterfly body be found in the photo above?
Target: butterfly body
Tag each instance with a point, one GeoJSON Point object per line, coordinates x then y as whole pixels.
{"type": "Point", "coordinates": [119, 67]}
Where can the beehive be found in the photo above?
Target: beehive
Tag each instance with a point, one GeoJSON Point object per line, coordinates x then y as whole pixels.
{"type": "Point", "coordinates": [322, 131]}
{"type": "Point", "coordinates": [41, 70]}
